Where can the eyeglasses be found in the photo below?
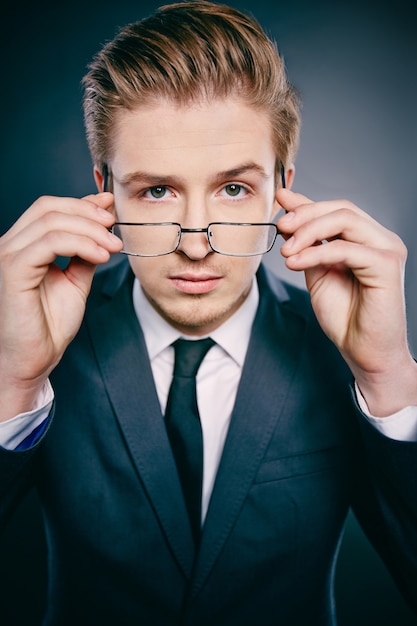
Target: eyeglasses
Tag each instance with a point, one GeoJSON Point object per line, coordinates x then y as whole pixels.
{"type": "Point", "coordinates": [232, 239]}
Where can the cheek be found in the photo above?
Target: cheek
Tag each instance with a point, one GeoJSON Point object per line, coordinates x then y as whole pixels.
{"type": "Point", "coordinates": [147, 270]}
{"type": "Point", "coordinates": [242, 270]}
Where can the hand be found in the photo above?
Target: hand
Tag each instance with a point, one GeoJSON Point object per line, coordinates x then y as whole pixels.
{"type": "Point", "coordinates": [354, 269]}
{"type": "Point", "coordinates": [41, 305]}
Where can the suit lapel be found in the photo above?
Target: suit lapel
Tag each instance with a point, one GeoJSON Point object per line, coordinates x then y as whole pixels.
{"type": "Point", "coordinates": [267, 375]}
{"type": "Point", "coordinates": [122, 357]}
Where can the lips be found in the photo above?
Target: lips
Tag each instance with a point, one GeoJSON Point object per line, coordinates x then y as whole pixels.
{"type": "Point", "coordinates": [195, 283]}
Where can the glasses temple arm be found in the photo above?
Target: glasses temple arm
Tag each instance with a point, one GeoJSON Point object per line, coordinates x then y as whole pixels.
{"type": "Point", "coordinates": [283, 181]}
{"type": "Point", "coordinates": [105, 174]}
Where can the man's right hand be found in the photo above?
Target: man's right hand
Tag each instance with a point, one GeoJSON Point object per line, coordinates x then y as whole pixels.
{"type": "Point", "coordinates": [42, 305]}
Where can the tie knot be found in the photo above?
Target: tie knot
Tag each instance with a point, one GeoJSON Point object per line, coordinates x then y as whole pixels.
{"type": "Point", "coordinates": [189, 355]}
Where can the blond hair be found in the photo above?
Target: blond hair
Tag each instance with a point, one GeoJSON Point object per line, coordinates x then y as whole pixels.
{"type": "Point", "coordinates": [185, 52]}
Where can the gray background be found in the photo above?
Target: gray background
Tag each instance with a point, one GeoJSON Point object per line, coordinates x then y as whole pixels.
{"type": "Point", "coordinates": [355, 65]}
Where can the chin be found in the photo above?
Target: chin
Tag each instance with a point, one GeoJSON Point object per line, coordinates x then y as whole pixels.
{"type": "Point", "coordinates": [196, 317]}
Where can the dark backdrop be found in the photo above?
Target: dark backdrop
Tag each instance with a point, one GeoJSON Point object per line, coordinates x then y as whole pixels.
{"type": "Point", "coordinates": [355, 65]}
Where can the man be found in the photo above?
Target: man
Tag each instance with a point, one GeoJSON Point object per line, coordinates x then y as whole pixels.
{"type": "Point", "coordinates": [306, 399]}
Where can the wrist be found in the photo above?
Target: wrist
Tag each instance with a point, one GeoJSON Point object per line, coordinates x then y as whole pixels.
{"type": "Point", "coordinates": [17, 398]}
{"type": "Point", "coordinates": [390, 391]}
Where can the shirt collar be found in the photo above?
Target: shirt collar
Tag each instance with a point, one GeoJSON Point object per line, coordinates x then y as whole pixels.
{"type": "Point", "coordinates": [233, 336]}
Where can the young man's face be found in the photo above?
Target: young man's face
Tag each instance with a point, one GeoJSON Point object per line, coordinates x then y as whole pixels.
{"type": "Point", "coordinates": [194, 165]}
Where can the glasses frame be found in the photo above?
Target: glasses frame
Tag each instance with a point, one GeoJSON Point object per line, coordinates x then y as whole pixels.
{"type": "Point", "coordinates": [182, 230]}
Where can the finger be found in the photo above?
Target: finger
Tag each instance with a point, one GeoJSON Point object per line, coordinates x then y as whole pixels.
{"type": "Point", "coordinates": [55, 222]}
{"type": "Point", "coordinates": [289, 200]}
{"type": "Point", "coordinates": [372, 266]}
{"type": "Point", "coordinates": [103, 199]}
{"type": "Point", "coordinates": [304, 212]}
{"type": "Point", "coordinates": [340, 224]}
{"type": "Point", "coordinates": [80, 273]}
{"type": "Point", "coordinates": [28, 266]}
{"type": "Point", "coordinates": [95, 207]}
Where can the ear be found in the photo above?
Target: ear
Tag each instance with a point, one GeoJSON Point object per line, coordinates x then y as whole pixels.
{"type": "Point", "coordinates": [289, 176]}
{"type": "Point", "coordinates": [99, 178]}
{"type": "Point", "coordinates": [289, 179]}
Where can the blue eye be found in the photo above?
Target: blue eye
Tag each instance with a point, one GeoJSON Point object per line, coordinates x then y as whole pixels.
{"type": "Point", "coordinates": [233, 189]}
{"type": "Point", "coordinates": [157, 192]}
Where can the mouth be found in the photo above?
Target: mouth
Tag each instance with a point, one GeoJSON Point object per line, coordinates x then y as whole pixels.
{"type": "Point", "coordinates": [195, 283]}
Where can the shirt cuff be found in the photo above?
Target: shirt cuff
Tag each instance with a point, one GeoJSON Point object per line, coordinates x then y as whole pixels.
{"type": "Point", "coordinates": [401, 426]}
{"type": "Point", "coordinates": [15, 430]}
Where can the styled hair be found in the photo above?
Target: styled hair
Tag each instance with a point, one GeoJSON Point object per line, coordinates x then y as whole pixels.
{"type": "Point", "coordinates": [187, 52]}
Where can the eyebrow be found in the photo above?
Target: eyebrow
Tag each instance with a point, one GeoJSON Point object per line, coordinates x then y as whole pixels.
{"type": "Point", "coordinates": [159, 179]}
{"type": "Point", "coordinates": [250, 167]}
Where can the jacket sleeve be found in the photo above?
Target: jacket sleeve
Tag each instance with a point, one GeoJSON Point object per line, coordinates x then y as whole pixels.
{"type": "Point", "coordinates": [385, 504]}
{"type": "Point", "coordinates": [17, 471]}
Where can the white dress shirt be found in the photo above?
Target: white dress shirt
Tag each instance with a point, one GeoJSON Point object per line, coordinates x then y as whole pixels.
{"type": "Point", "coordinates": [217, 383]}
{"type": "Point", "coordinates": [217, 378]}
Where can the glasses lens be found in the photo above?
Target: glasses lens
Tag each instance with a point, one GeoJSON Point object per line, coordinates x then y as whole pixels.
{"type": "Point", "coordinates": [242, 239]}
{"type": "Point", "coordinates": [148, 239]}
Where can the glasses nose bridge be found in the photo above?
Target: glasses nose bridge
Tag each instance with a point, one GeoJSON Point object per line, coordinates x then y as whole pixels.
{"type": "Point", "coordinates": [194, 216]}
{"type": "Point", "coordinates": [193, 245]}
{"type": "Point", "coordinates": [195, 230]}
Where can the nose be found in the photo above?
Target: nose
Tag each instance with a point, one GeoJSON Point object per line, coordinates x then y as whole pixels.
{"type": "Point", "coordinates": [195, 218]}
{"type": "Point", "coordinates": [194, 243]}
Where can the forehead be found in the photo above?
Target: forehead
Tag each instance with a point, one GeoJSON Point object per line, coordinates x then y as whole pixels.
{"type": "Point", "coordinates": [167, 135]}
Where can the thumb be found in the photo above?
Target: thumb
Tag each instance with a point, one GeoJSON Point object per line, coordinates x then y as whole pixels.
{"type": "Point", "coordinates": [81, 274]}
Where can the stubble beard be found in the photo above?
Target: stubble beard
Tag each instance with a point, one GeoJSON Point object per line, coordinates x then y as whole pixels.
{"type": "Point", "coordinates": [196, 315]}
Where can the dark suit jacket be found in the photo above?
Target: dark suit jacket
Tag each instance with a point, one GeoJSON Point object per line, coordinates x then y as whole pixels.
{"type": "Point", "coordinates": [298, 454]}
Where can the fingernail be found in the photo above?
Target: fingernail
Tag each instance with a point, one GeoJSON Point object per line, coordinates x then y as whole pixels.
{"type": "Point", "coordinates": [288, 217]}
{"type": "Point", "coordinates": [113, 238]}
{"type": "Point", "coordinates": [289, 243]}
{"type": "Point", "coordinates": [102, 212]}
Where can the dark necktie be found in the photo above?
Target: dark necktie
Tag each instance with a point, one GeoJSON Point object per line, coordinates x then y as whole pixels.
{"type": "Point", "coordinates": [183, 424]}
